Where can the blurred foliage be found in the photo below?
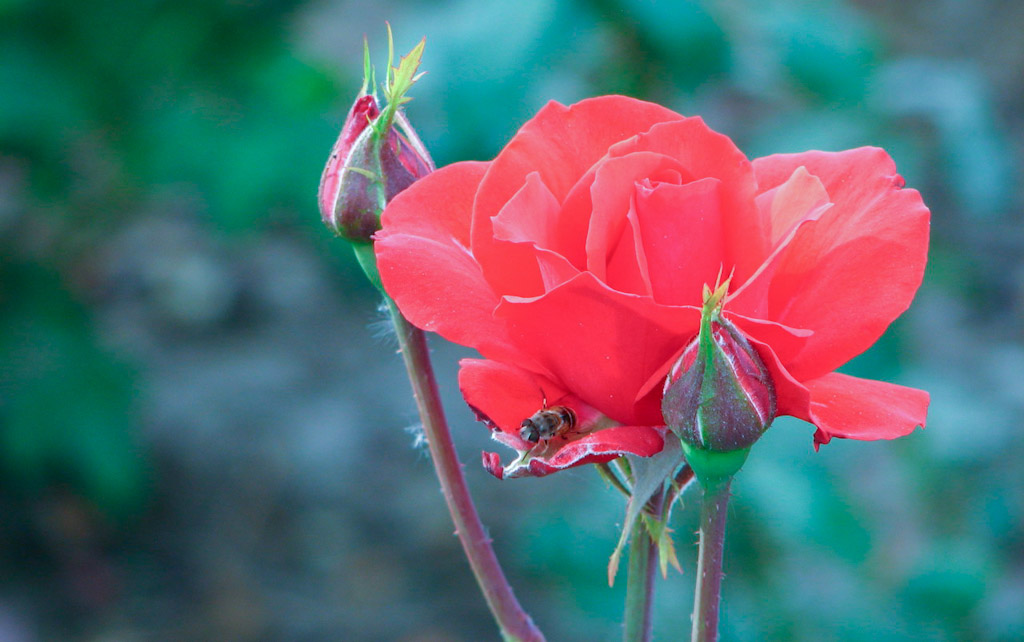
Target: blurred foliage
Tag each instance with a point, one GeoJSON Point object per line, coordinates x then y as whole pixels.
{"type": "Point", "coordinates": [161, 95]}
{"type": "Point", "coordinates": [110, 107]}
{"type": "Point", "coordinates": [67, 416]}
{"type": "Point", "coordinates": [216, 117]}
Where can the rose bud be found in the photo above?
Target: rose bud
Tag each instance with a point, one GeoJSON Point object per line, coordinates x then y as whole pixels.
{"type": "Point", "coordinates": [719, 396]}
{"type": "Point", "coordinates": [376, 156]}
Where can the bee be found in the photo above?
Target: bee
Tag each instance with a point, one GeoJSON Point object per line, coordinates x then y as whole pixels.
{"type": "Point", "coordinates": [548, 423]}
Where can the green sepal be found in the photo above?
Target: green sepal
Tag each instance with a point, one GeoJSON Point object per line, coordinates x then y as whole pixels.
{"type": "Point", "coordinates": [398, 81]}
{"type": "Point", "coordinates": [369, 76]}
{"type": "Point", "coordinates": [650, 474]}
{"type": "Point", "coordinates": [368, 261]}
{"type": "Point", "coordinates": [661, 535]}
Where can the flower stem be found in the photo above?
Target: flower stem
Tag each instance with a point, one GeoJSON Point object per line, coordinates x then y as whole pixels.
{"type": "Point", "coordinates": [612, 478]}
{"type": "Point", "coordinates": [514, 623]}
{"type": "Point", "coordinates": [643, 560]}
{"type": "Point", "coordinates": [709, 564]}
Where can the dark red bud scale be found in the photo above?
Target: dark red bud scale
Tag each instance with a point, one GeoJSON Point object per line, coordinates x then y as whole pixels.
{"type": "Point", "coordinates": [363, 111]}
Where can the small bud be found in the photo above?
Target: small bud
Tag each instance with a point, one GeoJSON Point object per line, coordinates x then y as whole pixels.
{"type": "Point", "coordinates": [719, 396]}
{"type": "Point", "coordinates": [367, 169]}
{"type": "Point", "coordinates": [376, 156]}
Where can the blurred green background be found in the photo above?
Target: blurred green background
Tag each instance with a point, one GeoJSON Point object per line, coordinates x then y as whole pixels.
{"type": "Point", "coordinates": [200, 440]}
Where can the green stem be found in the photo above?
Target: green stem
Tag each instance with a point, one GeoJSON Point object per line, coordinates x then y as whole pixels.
{"type": "Point", "coordinates": [709, 564]}
{"type": "Point", "coordinates": [515, 624]}
{"type": "Point", "coordinates": [368, 261]}
{"type": "Point", "coordinates": [609, 476]}
{"type": "Point", "coordinates": [643, 562]}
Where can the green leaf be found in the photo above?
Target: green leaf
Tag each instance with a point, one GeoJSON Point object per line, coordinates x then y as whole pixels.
{"type": "Point", "coordinates": [649, 475]}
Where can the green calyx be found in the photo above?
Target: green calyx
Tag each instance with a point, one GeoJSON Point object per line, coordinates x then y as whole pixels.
{"type": "Point", "coordinates": [714, 468]}
{"type": "Point", "coordinates": [368, 261]}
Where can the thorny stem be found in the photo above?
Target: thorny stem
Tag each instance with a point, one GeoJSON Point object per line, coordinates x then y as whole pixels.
{"type": "Point", "coordinates": [643, 561]}
{"type": "Point", "coordinates": [515, 624]}
{"type": "Point", "coordinates": [709, 564]}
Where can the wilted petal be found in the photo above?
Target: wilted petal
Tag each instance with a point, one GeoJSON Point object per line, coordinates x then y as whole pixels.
{"type": "Point", "coordinates": [598, 447]}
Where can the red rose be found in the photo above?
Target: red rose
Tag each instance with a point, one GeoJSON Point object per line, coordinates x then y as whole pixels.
{"type": "Point", "coordinates": [574, 262]}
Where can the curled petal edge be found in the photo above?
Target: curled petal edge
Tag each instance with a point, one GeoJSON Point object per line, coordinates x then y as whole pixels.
{"type": "Point", "coordinates": [864, 409]}
{"type": "Point", "coordinates": [599, 447]}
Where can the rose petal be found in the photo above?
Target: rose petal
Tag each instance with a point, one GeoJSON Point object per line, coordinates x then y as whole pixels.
{"type": "Point", "coordinates": [791, 397]}
{"type": "Point", "coordinates": [529, 216]}
{"type": "Point", "coordinates": [681, 233]}
{"type": "Point", "coordinates": [599, 343]}
{"type": "Point", "coordinates": [786, 342]}
{"type": "Point", "coordinates": [612, 193]}
{"type": "Point", "coordinates": [560, 144]}
{"type": "Point", "coordinates": [706, 153]}
{"type": "Point", "coordinates": [523, 232]}
{"type": "Point", "coordinates": [502, 395]}
{"type": "Point", "coordinates": [426, 268]}
{"type": "Point", "coordinates": [849, 299]}
{"type": "Point", "coordinates": [439, 288]}
{"type": "Point", "coordinates": [438, 206]}
{"type": "Point", "coordinates": [790, 203]}
{"type": "Point", "coordinates": [854, 408]}
{"type": "Point", "coordinates": [598, 447]}
{"type": "Point", "coordinates": [627, 265]}
{"type": "Point", "coordinates": [848, 275]}
{"type": "Point", "coordinates": [521, 227]}
{"type": "Point", "coordinates": [554, 268]}
{"type": "Point", "coordinates": [790, 209]}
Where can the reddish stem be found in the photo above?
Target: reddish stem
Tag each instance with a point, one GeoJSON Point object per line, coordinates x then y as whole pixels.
{"type": "Point", "coordinates": [514, 622]}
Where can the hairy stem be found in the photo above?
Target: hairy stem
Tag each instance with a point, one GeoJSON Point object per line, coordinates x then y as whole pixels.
{"type": "Point", "coordinates": [709, 564]}
{"type": "Point", "coordinates": [515, 624]}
